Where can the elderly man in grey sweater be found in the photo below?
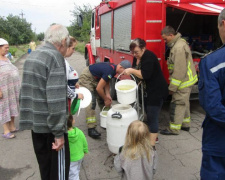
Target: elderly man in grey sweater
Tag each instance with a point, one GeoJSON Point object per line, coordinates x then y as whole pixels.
{"type": "Point", "coordinates": [43, 103]}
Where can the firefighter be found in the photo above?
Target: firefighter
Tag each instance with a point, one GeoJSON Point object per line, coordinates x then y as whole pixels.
{"type": "Point", "coordinates": [182, 77]}
{"type": "Point", "coordinates": [96, 78]}
{"type": "Point", "coordinates": [212, 97]}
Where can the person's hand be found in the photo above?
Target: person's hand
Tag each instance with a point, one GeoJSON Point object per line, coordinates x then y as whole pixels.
{"type": "Point", "coordinates": [77, 85]}
{"type": "Point", "coordinates": [127, 71]}
{"type": "Point", "coordinates": [58, 144]}
{"type": "Point", "coordinates": [80, 96]}
{"type": "Point", "coordinates": [109, 97]}
{"type": "Point", "coordinates": [1, 94]}
{"type": "Point", "coordinates": [171, 92]}
{"type": "Point", "coordinates": [108, 102]}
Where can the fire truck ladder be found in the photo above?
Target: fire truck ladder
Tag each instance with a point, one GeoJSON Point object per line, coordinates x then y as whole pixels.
{"type": "Point", "coordinates": [153, 25]}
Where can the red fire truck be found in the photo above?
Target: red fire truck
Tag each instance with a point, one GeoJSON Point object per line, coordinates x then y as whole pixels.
{"type": "Point", "coordinates": [116, 23]}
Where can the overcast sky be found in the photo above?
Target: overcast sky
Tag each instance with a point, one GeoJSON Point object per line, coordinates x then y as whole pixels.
{"type": "Point", "coordinates": [42, 13]}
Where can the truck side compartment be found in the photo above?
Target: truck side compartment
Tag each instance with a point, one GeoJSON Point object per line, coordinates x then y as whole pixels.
{"type": "Point", "coordinates": [116, 23]}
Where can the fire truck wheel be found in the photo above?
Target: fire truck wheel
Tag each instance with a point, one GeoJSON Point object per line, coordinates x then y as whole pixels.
{"type": "Point", "coordinates": [112, 89]}
{"type": "Point", "coordinates": [87, 60]}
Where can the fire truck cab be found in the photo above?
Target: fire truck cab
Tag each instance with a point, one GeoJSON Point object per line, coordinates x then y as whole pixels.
{"type": "Point", "coordinates": [116, 23]}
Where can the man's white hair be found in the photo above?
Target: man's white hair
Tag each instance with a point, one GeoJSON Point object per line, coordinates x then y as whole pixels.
{"type": "Point", "coordinates": [56, 33]}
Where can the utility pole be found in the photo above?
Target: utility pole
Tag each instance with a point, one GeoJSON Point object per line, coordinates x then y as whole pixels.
{"type": "Point", "coordinates": [22, 14]}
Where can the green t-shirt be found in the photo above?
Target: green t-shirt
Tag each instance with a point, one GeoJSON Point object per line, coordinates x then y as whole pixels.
{"type": "Point", "coordinates": [78, 144]}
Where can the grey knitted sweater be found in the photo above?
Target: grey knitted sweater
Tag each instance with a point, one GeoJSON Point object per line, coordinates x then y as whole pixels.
{"type": "Point", "coordinates": [43, 95]}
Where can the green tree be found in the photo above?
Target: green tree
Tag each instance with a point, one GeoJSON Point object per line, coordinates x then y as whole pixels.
{"type": "Point", "coordinates": [16, 30]}
{"type": "Point", "coordinates": [40, 36]}
{"type": "Point", "coordinates": [3, 30]}
{"type": "Point", "coordinates": [81, 33]}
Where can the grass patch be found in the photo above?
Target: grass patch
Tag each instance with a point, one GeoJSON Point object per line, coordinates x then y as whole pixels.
{"type": "Point", "coordinates": [80, 47]}
{"type": "Point", "coordinates": [19, 50]}
{"type": "Point", "coordinates": [19, 53]}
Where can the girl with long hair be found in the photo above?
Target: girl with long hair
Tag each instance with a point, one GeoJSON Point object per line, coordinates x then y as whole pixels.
{"type": "Point", "coordinates": [136, 159]}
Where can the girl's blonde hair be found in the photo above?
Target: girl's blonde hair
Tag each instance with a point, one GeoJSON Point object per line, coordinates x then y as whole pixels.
{"type": "Point", "coordinates": [137, 142]}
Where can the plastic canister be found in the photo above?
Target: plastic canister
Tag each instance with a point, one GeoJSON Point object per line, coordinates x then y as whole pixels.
{"type": "Point", "coordinates": [103, 117]}
{"type": "Point", "coordinates": [119, 118]}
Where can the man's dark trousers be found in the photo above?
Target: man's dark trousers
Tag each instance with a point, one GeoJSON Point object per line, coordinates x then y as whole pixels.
{"type": "Point", "coordinates": [51, 162]}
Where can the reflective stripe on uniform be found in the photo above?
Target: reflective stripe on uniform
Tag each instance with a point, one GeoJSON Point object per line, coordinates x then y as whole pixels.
{"type": "Point", "coordinates": [187, 120]}
{"type": "Point", "coordinates": [218, 67]}
{"type": "Point", "coordinates": [170, 66]}
{"type": "Point", "coordinates": [175, 82]}
{"type": "Point", "coordinates": [188, 83]}
{"type": "Point", "coordinates": [175, 126]}
{"type": "Point", "coordinates": [192, 80]}
{"type": "Point", "coordinates": [91, 119]}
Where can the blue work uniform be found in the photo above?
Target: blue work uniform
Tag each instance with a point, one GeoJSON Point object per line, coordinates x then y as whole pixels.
{"type": "Point", "coordinates": [212, 99]}
{"type": "Point", "coordinates": [89, 78]}
{"type": "Point", "coordinates": [103, 70]}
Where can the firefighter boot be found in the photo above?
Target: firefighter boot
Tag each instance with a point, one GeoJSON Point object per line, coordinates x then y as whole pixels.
{"type": "Point", "coordinates": [185, 129]}
{"type": "Point", "coordinates": [167, 132]}
{"type": "Point", "coordinates": [92, 132]}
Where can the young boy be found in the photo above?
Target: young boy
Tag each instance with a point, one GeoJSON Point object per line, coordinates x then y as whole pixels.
{"type": "Point", "coordinates": [78, 147]}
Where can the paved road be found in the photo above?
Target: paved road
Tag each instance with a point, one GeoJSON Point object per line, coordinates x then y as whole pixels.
{"type": "Point", "coordinates": [179, 156]}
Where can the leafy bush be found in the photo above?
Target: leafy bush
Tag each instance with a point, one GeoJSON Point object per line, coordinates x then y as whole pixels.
{"type": "Point", "coordinates": [12, 50]}
{"type": "Point", "coordinates": [80, 47]}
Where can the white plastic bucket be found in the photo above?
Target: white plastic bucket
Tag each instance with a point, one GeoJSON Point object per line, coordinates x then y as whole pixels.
{"type": "Point", "coordinates": [126, 91]}
{"type": "Point", "coordinates": [103, 117]}
{"type": "Point", "coordinates": [119, 118]}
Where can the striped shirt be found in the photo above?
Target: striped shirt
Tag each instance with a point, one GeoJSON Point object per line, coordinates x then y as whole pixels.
{"type": "Point", "coordinates": [43, 95]}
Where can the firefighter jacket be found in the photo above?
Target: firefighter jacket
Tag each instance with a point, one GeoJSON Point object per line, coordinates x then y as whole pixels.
{"type": "Point", "coordinates": [212, 98]}
{"type": "Point", "coordinates": [180, 64]}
